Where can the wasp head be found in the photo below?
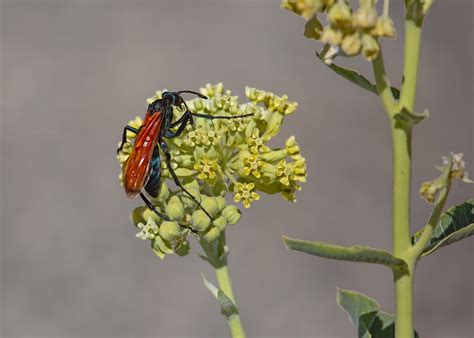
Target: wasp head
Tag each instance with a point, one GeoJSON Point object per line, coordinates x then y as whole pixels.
{"type": "Point", "coordinates": [174, 98]}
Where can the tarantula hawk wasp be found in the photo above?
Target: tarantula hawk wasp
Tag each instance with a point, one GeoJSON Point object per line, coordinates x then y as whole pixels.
{"type": "Point", "coordinates": [142, 170]}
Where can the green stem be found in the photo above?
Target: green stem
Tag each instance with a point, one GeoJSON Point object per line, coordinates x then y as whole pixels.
{"type": "Point", "coordinates": [401, 136]}
{"type": "Point", "coordinates": [401, 146]}
{"type": "Point", "coordinates": [224, 282]}
{"type": "Point", "coordinates": [411, 62]}
{"type": "Point", "coordinates": [401, 182]}
{"type": "Point", "coordinates": [217, 256]}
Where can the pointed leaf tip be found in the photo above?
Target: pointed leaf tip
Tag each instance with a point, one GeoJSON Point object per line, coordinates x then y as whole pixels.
{"type": "Point", "coordinates": [362, 254]}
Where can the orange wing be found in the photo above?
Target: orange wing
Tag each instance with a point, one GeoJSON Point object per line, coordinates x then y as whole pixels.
{"type": "Point", "coordinates": [136, 170]}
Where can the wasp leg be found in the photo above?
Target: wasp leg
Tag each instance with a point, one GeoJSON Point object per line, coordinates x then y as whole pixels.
{"type": "Point", "coordinates": [152, 208]}
{"type": "Point", "coordinates": [165, 149]}
{"type": "Point", "coordinates": [212, 117]}
{"type": "Point", "coordinates": [183, 121]}
{"type": "Point", "coordinates": [124, 136]}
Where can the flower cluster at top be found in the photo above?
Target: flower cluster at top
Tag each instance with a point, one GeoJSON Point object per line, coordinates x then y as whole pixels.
{"type": "Point", "coordinates": [453, 168]}
{"type": "Point", "coordinates": [215, 157]}
{"type": "Point", "coordinates": [349, 32]}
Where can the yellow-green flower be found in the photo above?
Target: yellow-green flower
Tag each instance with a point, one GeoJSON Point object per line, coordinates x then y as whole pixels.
{"type": "Point", "coordinates": [255, 142]}
{"type": "Point", "coordinates": [305, 8]}
{"type": "Point", "coordinates": [244, 192]}
{"type": "Point", "coordinates": [237, 125]}
{"type": "Point", "coordinates": [200, 136]}
{"type": "Point", "coordinates": [292, 148]}
{"type": "Point", "coordinates": [206, 167]}
{"type": "Point", "coordinates": [366, 15]}
{"type": "Point", "coordinates": [252, 165]}
{"type": "Point", "coordinates": [384, 28]}
{"type": "Point", "coordinates": [340, 14]}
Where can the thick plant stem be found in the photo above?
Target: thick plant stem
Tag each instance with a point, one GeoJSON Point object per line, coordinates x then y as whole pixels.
{"type": "Point", "coordinates": [224, 282]}
{"type": "Point", "coordinates": [401, 138]}
{"type": "Point", "coordinates": [411, 62]}
{"type": "Point", "coordinates": [216, 255]}
{"type": "Point", "coordinates": [401, 164]}
{"type": "Point", "coordinates": [401, 183]}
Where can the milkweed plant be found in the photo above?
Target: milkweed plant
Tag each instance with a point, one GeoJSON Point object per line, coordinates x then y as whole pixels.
{"type": "Point", "coordinates": [230, 160]}
{"type": "Point", "coordinates": [217, 161]}
{"type": "Point", "coordinates": [348, 30]}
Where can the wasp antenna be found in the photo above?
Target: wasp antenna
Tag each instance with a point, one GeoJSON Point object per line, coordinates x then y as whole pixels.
{"type": "Point", "coordinates": [191, 92]}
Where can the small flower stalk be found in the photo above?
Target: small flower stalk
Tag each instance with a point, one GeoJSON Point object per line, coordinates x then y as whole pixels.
{"type": "Point", "coordinates": [453, 168]}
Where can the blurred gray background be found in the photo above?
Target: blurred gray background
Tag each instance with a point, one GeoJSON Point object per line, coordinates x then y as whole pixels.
{"type": "Point", "coordinates": [74, 73]}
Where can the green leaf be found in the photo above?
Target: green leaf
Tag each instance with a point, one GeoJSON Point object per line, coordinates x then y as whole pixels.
{"type": "Point", "coordinates": [358, 79]}
{"type": "Point", "coordinates": [361, 309]}
{"type": "Point", "coordinates": [411, 118]}
{"type": "Point", "coordinates": [228, 308]}
{"type": "Point", "coordinates": [454, 225]}
{"type": "Point", "coordinates": [364, 313]}
{"type": "Point", "coordinates": [361, 254]}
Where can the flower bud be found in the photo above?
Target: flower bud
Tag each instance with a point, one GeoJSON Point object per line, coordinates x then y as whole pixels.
{"type": "Point", "coordinates": [220, 223]}
{"type": "Point", "coordinates": [274, 155]}
{"type": "Point", "coordinates": [251, 93]}
{"type": "Point", "coordinates": [365, 16]}
{"type": "Point", "coordinates": [304, 8]}
{"type": "Point", "coordinates": [290, 108]}
{"type": "Point", "coordinates": [370, 47]}
{"type": "Point", "coordinates": [384, 28]}
{"type": "Point", "coordinates": [220, 203]}
{"type": "Point", "coordinates": [198, 104]}
{"type": "Point", "coordinates": [351, 44]}
{"type": "Point", "coordinates": [164, 192]}
{"type": "Point", "coordinates": [210, 204]}
{"type": "Point", "coordinates": [274, 125]}
{"type": "Point", "coordinates": [169, 231]}
{"type": "Point", "coordinates": [175, 208]}
{"type": "Point", "coordinates": [150, 214]}
{"type": "Point", "coordinates": [211, 234]}
{"type": "Point", "coordinates": [331, 36]}
{"type": "Point", "coordinates": [232, 214]}
{"type": "Point", "coordinates": [200, 221]}
{"type": "Point", "coordinates": [340, 15]}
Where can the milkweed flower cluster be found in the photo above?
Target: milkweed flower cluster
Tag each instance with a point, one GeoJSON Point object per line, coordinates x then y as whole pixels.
{"type": "Point", "coordinates": [213, 158]}
{"type": "Point", "coordinates": [349, 31]}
